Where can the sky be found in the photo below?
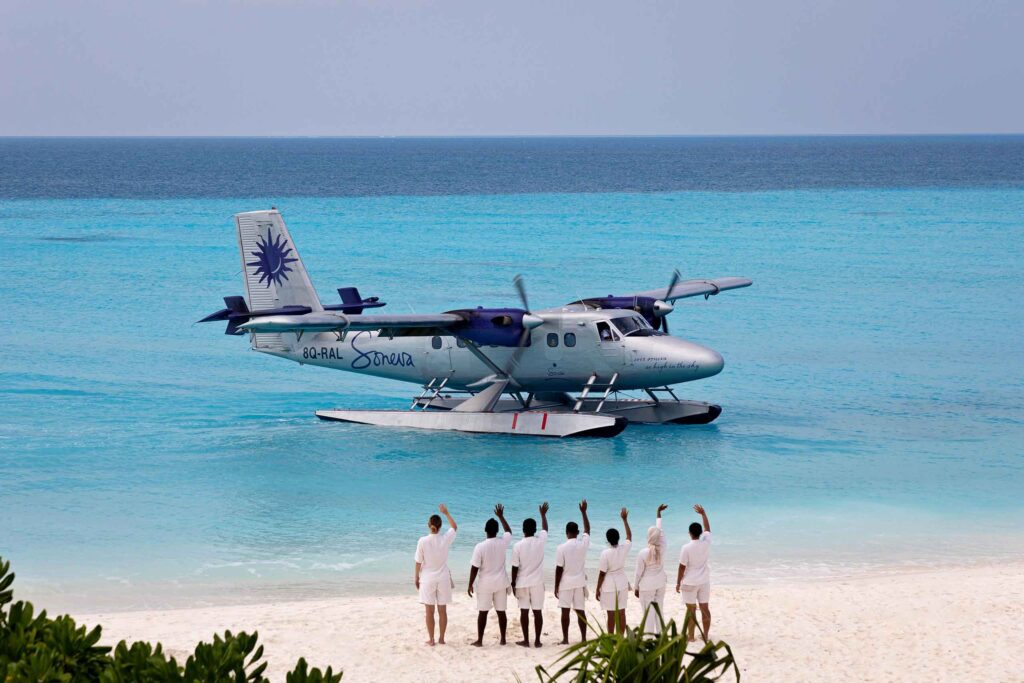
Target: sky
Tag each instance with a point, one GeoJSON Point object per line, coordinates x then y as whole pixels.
{"type": "Point", "coordinates": [496, 67]}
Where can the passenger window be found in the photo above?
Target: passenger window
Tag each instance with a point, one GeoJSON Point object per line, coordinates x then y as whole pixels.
{"type": "Point", "coordinates": [570, 339]}
{"type": "Point", "coordinates": [436, 342]}
{"type": "Point", "coordinates": [552, 339]}
{"type": "Point", "coordinates": [460, 343]}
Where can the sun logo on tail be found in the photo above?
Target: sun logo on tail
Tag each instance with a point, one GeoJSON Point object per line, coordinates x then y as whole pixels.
{"type": "Point", "coordinates": [272, 259]}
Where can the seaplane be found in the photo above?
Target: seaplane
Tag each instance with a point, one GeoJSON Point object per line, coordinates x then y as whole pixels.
{"type": "Point", "coordinates": [559, 372]}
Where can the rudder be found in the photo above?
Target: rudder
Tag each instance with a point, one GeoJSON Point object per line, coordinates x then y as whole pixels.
{"type": "Point", "coordinates": [272, 270]}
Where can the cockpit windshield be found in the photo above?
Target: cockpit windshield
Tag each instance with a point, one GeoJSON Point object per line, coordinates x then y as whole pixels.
{"type": "Point", "coordinates": [634, 325]}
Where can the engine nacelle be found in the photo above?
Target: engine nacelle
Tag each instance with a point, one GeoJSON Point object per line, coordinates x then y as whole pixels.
{"type": "Point", "coordinates": [650, 308]}
{"type": "Point", "coordinates": [495, 326]}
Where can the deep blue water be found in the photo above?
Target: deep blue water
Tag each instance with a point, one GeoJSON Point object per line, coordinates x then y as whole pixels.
{"type": "Point", "coordinates": [872, 389]}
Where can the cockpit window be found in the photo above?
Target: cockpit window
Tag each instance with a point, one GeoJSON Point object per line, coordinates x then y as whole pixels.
{"type": "Point", "coordinates": [632, 325]}
{"type": "Point", "coordinates": [604, 332]}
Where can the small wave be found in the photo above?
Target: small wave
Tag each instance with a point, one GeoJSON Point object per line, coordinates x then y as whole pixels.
{"type": "Point", "coordinates": [247, 564]}
{"type": "Point", "coordinates": [99, 237]}
{"type": "Point", "coordinates": [342, 566]}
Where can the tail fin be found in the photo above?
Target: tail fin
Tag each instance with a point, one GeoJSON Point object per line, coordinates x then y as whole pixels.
{"type": "Point", "coordinates": [272, 269]}
{"type": "Point", "coordinates": [273, 272]}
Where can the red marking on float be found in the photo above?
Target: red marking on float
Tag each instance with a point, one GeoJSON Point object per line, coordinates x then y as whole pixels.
{"type": "Point", "coordinates": [544, 422]}
{"type": "Point", "coordinates": [515, 418]}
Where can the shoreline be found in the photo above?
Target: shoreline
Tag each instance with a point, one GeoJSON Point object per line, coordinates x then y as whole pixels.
{"type": "Point", "coordinates": [116, 594]}
{"type": "Point", "coordinates": [924, 624]}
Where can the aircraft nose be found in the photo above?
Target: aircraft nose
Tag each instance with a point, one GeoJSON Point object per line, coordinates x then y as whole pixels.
{"type": "Point", "coordinates": [711, 362]}
{"type": "Point", "coordinates": [701, 361]}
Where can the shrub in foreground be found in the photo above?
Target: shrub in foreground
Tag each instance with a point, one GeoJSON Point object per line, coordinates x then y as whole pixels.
{"type": "Point", "coordinates": [35, 647]}
{"type": "Point", "coordinates": [636, 657]}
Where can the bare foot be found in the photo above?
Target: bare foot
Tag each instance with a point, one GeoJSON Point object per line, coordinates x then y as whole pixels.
{"type": "Point", "coordinates": [441, 642]}
{"type": "Point", "coordinates": [537, 644]}
{"type": "Point", "coordinates": [477, 643]}
{"type": "Point", "coordinates": [523, 643]}
{"type": "Point", "coordinates": [564, 641]}
{"type": "Point", "coordinates": [429, 643]}
{"type": "Point", "coordinates": [502, 642]}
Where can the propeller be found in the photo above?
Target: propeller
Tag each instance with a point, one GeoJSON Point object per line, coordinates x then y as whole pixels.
{"type": "Point", "coordinates": [530, 321]}
{"type": "Point", "coordinates": [663, 308]}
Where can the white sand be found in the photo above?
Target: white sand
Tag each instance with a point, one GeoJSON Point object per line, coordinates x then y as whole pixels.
{"type": "Point", "coordinates": [944, 624]}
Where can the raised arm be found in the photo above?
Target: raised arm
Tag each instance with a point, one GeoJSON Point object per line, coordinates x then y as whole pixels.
{"type": "Point", "coordinates": [586, 520]}
{"type": "Point", "coordinates": [499, 512]}
{"type": "Point", "coordinates": [444, 511]}
{"type": "Point", "coordinates": [699, 509]}
{"type": "Point", "coordinates": [664, 540]}
{"type": "Point", "coordinates": [544, 516]}
{"type": "Point", "coordinates": [625, 522]}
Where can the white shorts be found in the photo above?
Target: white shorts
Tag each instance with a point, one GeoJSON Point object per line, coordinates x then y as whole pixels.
{"type": "Point", "coordinates": [531, 598]}
{"type": "Point", "coordinates": [572, 598]}
{"type": "Point", "coordinates": [497, 599]}
{"type": "Point", "coordinates": [612, 599]}
{"type": "Point", "coordinates": [694, 594]}
{"type": "Point", "coordinates": [436, 592]}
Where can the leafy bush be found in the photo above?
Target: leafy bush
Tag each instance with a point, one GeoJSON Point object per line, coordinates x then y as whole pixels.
{"type": "Point", "coordinates": [637, 657]}
{"type": "Point", "coordinates": [34, 647]}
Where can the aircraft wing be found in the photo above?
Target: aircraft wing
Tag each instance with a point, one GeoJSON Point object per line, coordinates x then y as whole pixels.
{"type": "Point", "coordinates": [695, 288]}
{"type": "Point", "coordinates": [336, 322]}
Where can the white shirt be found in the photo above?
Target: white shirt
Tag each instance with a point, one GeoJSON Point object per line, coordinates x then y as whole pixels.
{"type": "Point", "coordinates": [694, 556]}
{"type": "Point", "coordinates": [571, 556]}
{"type": "Point", "coordinates": [528, 555]}
{"type": "Point", "coordinates": [489, 558]}
{"type": "Point", "coordinates": [613, 564]}
{"type": "Point", "coordinates": [432, 554]}
{"type": "Point", "coordinates": [651, 576]}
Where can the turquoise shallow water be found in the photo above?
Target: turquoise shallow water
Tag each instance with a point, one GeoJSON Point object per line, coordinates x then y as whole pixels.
{"type": "Point", "coordinates": [872, 389]}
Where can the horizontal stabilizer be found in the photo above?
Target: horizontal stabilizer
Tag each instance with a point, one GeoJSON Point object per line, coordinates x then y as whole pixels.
{"type": "Point", "coordinates": [237, 313]}
{"type": "Point", "coordinates": [352, 302]}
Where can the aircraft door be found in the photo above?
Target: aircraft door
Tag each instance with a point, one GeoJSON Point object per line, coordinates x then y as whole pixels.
{"type": "Point", "coordinates": [437, 357]}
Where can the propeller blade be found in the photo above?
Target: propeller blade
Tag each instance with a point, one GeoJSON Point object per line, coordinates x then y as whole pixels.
{"type": "Point", "coordinates": [521, 289]}
{"type": "Point", "coordinates": [513, 360]}
{"type": "Point", "coordinates": [676, 277]}
{"type": "Point", "coordinates": [663, 318]}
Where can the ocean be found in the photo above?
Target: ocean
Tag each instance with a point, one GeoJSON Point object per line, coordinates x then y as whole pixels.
{"type": "Point", "coordinates": [872, 393]}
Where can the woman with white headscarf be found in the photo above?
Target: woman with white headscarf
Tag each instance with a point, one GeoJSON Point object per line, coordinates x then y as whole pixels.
{"type": "Point", "coordinates": [650, 575]}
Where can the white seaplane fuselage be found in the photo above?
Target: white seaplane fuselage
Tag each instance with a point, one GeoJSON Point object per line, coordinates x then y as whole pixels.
{"type": "Point", "coordinates": [573, 344]}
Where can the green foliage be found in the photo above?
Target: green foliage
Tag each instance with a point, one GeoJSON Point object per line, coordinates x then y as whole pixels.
{"type": "Point", "coordinates": [34, 647]}
{"type": "Point", "coordinates": [636, 657]}
{"type": "Point", "coordinates": [303, 674]}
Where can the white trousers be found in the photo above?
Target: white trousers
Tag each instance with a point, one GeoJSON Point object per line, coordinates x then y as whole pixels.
{"type": "Point", "coordinates": [650, 598]}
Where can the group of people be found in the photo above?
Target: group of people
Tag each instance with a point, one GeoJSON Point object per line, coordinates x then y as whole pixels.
{"type": "Point", "coordinates": [489, 580]}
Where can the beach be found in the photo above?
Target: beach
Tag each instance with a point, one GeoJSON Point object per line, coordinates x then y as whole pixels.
{"type": "Point", "coordinates": [926, 625]}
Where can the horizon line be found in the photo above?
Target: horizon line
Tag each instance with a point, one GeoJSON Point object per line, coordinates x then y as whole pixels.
{"type": "Point", "coordinates": [506, 136]}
